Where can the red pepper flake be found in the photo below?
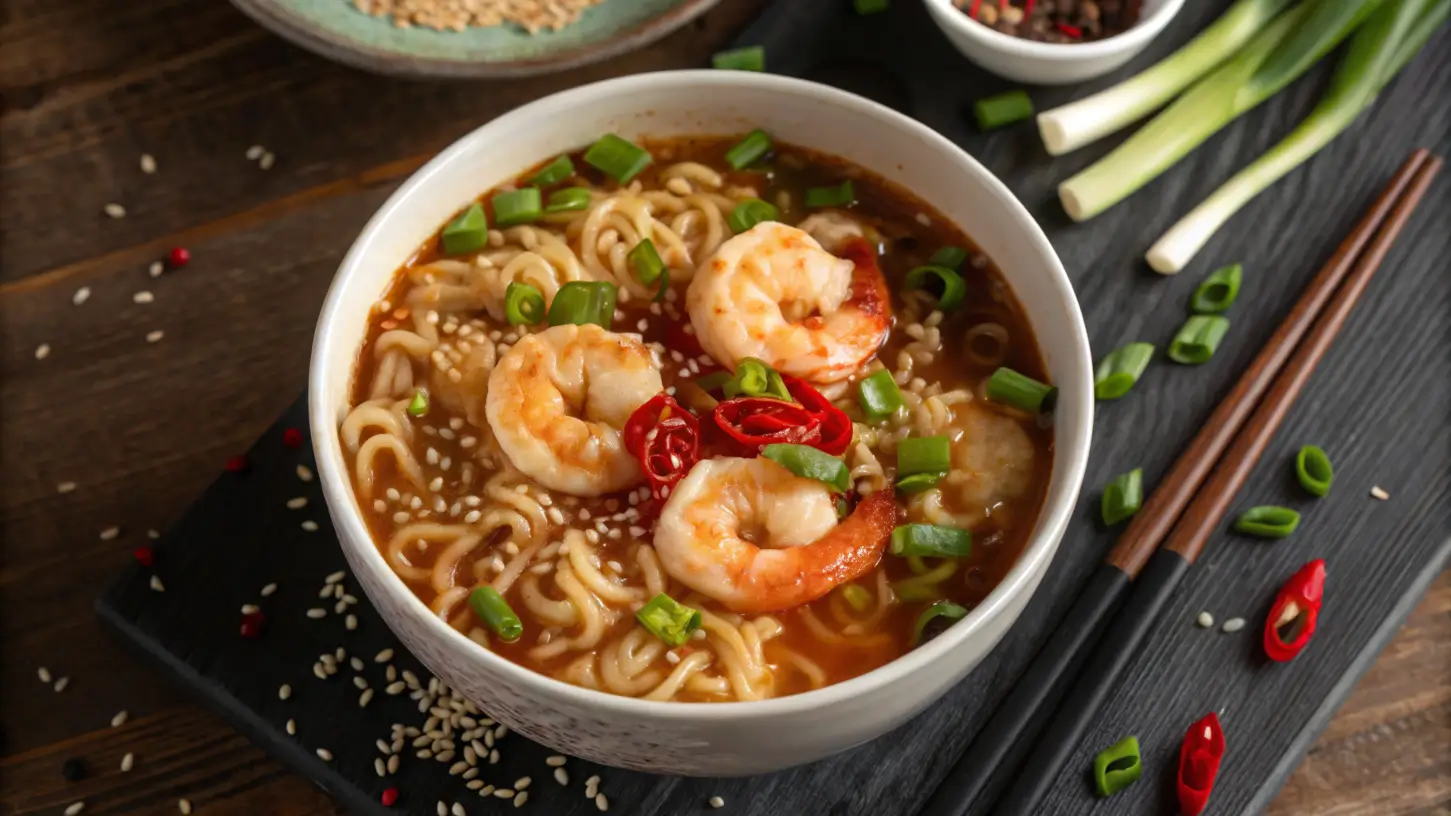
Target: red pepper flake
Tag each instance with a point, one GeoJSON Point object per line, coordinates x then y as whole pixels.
{"type": "Point", "coordinates": [1073, 31]}
{"type": "Point", "coordinates": [972, 10]}
{"type": "Point", "coordinates": [389, 797]}
{"type": "Point", "coordinates": [292, 438]}
{"type": "Point", "coordinates": [665, 439]}
{"type": "Point", "coordinates": [1295, 612]}
{"type": "Point", "coordinates": [145, 556]}
{"type": "Point", "coordinates": [237, 464]}
{"type": "Point", "coordinates": [178, 257]}
{"type": "Point", "coordinates": [252, 624]}
{"type": "Point", "coordinates": [1199, 759]}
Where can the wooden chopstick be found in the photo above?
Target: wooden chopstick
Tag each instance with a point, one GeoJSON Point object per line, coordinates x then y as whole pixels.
{"type": "Point", "coordinates": [1031, 701]}
{"type": "Point", "coordinates": [1168, 564]}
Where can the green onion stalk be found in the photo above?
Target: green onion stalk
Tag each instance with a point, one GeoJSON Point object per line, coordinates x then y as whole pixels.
{"type": "Point", "coordinates": [1378, 51]}
{"type": "Point", "coordinates": [1276, 56]}
{"type": "Point", "coordinates": [1069, 127]}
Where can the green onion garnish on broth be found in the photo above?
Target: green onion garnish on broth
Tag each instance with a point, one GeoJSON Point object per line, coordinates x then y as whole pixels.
{"type": "Point", "coordinates": [924, 454]}
{"type": "Point", "coordinates": [647, 263]}
{"type": "Point", "coordinates": [1020, 391]}
{"type": "Point", "coordinates": [931, 540]}
{"type": "Point", "coordinates": [1218, 291]}
{"type": "Point", "coordinates": [1197, 340]}
{"type": "Point", "coordinates": [810, 463]}
{"type": "Point", "coordinates": [1001, 110]}
{"type": "Point", "coordinates": [944, 282]}
{"type": "Point", "coordinates": [468, 232]}
{"type": "Point", "coordinates": [1123, 496]}
{"type": "Point", "coordinates": [841, 195]}
{"type": "Point", "coordinates": [950, 257]}
{"type": "Point", "coordinates": [918, 482]}
{"type": "Point", "coordinates": [713, 381]}
{"type": "Point", "coordinates": [418, 406]}
{"type": "Point", "coordinates": [745, 152]}
{"type": "Point", "coordinates": [946, 610]}
{"type": "Point", "coordinates": [668, 619]}
{"type": "Point", "coordinates": [750, 58]}
{"type": "Point", "coordinates": [554, 172]}
{"type": "Point", "coordinates": [1120, 370]}
{"type": "Point", "coordinates": [856, 596]}
{"type": "Point", "coordinates": [581, 302]}
{"type": "Point", "coordinates": [495, 613]}
{"type": "Point", "coordinates": [523, 304]}
{"type": "Point", "coordinates": [1313, 470]}
{"type": "Point", "coordinates": [1268, 521]}
{"type": "Point", "coordinates": [570, 198]}
{"type": "Point", "coordinates": [517, 207]}
{"type": "Point", "coordinates": [617, 158]}
{"type": "Point", "coordinates": [871, 6]}
{"type": "Point", "coordinates": [751, 212]}
{"type": "Point", "coordinates": [879, 396]}
{"type": "Point", "coordinates": [926, 582]}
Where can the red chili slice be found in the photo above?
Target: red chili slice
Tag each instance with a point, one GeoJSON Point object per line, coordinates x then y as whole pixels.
{"type": "Point", "coordinates": [145, 556]}
{"type": "Point", "coordinates": [1071, 30]}
{"type": "Point", "coordinates": [755, 422]}
{"type": "Point", "coordinates": [665, 439]}
{"type": "Point", "coordinates": [252, 624]}
{"type": "Point", "coordinates": [1297, 603]}
{"type": "Point", "coordinates": [1199, 759]}
{"type": "Point", "coordinates": [836, 427]}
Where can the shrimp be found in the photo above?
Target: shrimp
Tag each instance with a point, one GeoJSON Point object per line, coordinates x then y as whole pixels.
{"type": "Point", "coordinates": [773, 293]}
{"type": "Point", "coordinates": [558, 400]}
{"type": "Point", "coordinates": [992, 462]}
{"type": "Point", "coordinates": [758, 538]}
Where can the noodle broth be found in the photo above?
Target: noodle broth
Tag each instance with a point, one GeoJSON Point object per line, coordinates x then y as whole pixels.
{"type": "Point", "coordinates": [450, 511]}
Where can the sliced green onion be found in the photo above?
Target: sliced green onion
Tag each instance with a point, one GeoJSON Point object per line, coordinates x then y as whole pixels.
{"type": "Point", "coordinates": [871, 6]}
{"type": "Point", "coordinates": [1008, 387]}
{"type": "Point", "coordinates": [857, 597]}
{"type": "Point", "coordinates": [1117, 766]}
{"type": "Point", "coordinates": [879, 396]}
{"type": "Point", "coordinates": [745, 152]}
{"type": "Point", "coordinates": [1069, 127]}
{"type": "Point", "coordinates": [952, 290]}
{"type": "Point", "coordinates": [1312, 468]}
{"type": "Point", "coordinates": [554, 172]}
{"type": "Point", "coordinates": [1001, 110]}
{"type": "Point", "coordinates": [925, 584]}
{"type": "Point", "coordinates": [668, 619]}
{"type": "Point", "coordinates": [664, 286]}
{"type": "Point", "coordinates": [931, 540]}
{"type": "Point", "coordinates": [949, 256]}
{"type": "Point", "coordinates": [520, 206]}
{"type": "Point", "coordinates": [924, 454]}
{"type": "Point", "coordinates": [810, 463]}
{"type": "Point", "coordinates": [843, 508]}
{"type": "Point", "coordinates": [751, 212]}
{"type": "Point", "coordinates": [1218, 291]}
{"type": "Point", "coordinates": [495, 613]}
{"type": "Point", "coordinates": [1268, 521]}
{"type": "Point", "coordinates": [617, 158]}
{"type": "Point", "coordinates": [918, 482]}
{"type": "Point", "coordinates": [523, 304]}
{"type": "Point", "coordinates": [581, 302]}
{"type": "Point", "coordinates": [713, 381]}
{"type": "Point", "coordinates": [842, 195]}
{"type": "Point", "coordinates": [946, 610]}
{"type": "Point", "coordinates": [647, 263]}
{"type": "Point", "coordinates": [751, 378]}
{"type": "Point", "coordinates": [1123, 496]}
{"type": "Point", "coordinates": [418, 406]}
{"type": "Point", "coordinates": [467, 232]}
{"type": "Point", "coordinates": [750, 58]}
{"type": "Point", "coordinates": [568, 199]}
{"type": "Point", "coordinates": [1120, 370]}
{"type": "Point", "coordinates": [1196, 341]}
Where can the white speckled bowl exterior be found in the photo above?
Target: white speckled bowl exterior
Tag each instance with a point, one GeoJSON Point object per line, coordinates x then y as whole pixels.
{"type": "Point", "coordinates": [1049, 63]}
{"type": "Point", "coordinates": [707, 739]}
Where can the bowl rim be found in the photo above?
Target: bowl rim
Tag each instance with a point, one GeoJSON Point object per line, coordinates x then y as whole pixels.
{"type": "Point", "coordinates": [1076, 408]}
{"type": "Point", "coordinates": [1136, 37]}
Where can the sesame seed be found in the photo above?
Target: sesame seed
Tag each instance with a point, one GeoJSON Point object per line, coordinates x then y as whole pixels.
{"type": "Point", "coordinates": [155, 336]}
{"type": "Point", "coordinates": [60, 685]}
{"type": "Point", "coordinates": [365, 698]}
{"type": "Point", "coordinates": [325, 755]}
{"type": "Point", "coordinates": [310, 526]}
{"type": "Point", "coordinates": [297, 503]}
{"type": "Point", "coordinates": [128, 762]}
{"type": "Point", "coordinates": [351, 622]}
{"type": "Point", "coordinates": [143, 297]}
{"type": "Point", "coordinates": [148, 163]}
{"type": "Point", "coordinates": [255, 152]}
{"type": "Point", "coordinates": [716, 802]}
{"type": "Point", "coordinates": [114, 210]}
{"type": "Point", "coordinates": [155, 269]}
{"type": "Point", "coordinates": [153, 534]}
{"type": "Point", "coordinates": [393, 763]}
{"type": "Point", "coordinates": [248, 609]}
{"type": "Point", "coordinates": [556, 761]}
{"type": "Point", "coordinates": [1205, 620]}
{"type": "Point", "coordinates": [360, 682]}
{"type": "Point", "coordinates": [82, 295]}
{"type": "Point", "coordinates": [284, 691]}
{"type": "Point", "coordinates": [74, 808]}
{"type": "Point", "coordinates": [522, 782]}
{"type": "Point", "coordinates": [1376, 492]}
{"type": "Point", "coordinates": [394, 688]}
{"type": "Point", "coordinates": [383, 656]}
{"type": "Point", "coordinates": [268, 590]}
{"type": "Point", "coordinates": [521, 799]}
{"type": "Point", "coordinates": [65, 487]}
{"type": "Point", "coordinates": [156, 584]}
{"type": "Point", "coordinates": [602, 802]}
{"type": "Point", "coordinates": [504, 793]}
{"type": "Point", "coordinates": [458, 768]}
{"type": "Point", "coordinates": [292, 727]}
{"type": "Point", "coordinates": [120, 719]}
{"type": "Point", "coordinates": [317, 612]}
{"type": "Point", "coordinates": [267, 160]}
{"type": "Point", "coordinates": [320, 671]}
{"type": "Point", "coordinates": [334, 577]}
{"type": "Point", "coordinates": [304, 473]}
{"type": "Point", "coordinates": [458, 810]}
{"type": "Point", "coordinates": [1233, 625]}
{"type": "Point", "coordinates": [379, 768]}
{"type": "Point", "coordinates": [183, 805]}
{"type": "Point", "coordinates": [561, 776]}
{"type": "Point", "coordinates": [110, 533]}
{"type": "Point", "coordinates": [43, 673]}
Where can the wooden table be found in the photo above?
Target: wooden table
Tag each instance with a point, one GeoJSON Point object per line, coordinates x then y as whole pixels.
{"type": "Point", "coordinates": [140, 426]}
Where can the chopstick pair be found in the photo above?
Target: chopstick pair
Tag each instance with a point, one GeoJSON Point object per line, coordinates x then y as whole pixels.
{"type": "Point", "coordinates": [1170, 531]}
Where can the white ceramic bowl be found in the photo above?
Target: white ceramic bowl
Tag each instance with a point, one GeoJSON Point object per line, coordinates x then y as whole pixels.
{"type": "Point", "coordinates": [712, 739]}
{"type": "Point", "coordinates": [1049, 63]}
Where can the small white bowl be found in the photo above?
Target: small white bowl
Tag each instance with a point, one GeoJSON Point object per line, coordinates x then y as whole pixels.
{"type": "Point", "coordinates": [707, 739]}
{"type": "Point", "coordinates": [1049, 63]}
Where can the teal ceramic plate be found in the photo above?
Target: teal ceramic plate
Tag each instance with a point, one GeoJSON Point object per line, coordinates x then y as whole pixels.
{"type": "Point", "coordinates": [338, 31]}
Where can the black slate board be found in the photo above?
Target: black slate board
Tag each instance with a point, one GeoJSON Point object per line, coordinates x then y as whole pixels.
{"type": "Point", "coordinates": [1379, 404]}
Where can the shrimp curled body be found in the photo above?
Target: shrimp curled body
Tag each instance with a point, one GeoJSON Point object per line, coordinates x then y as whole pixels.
{"type": "Point", "coordinates": [558, 400]}
{"type": "Point", "coordinates": [758, 538]}
{"type": "Point", "coordinates": [773, 293]}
